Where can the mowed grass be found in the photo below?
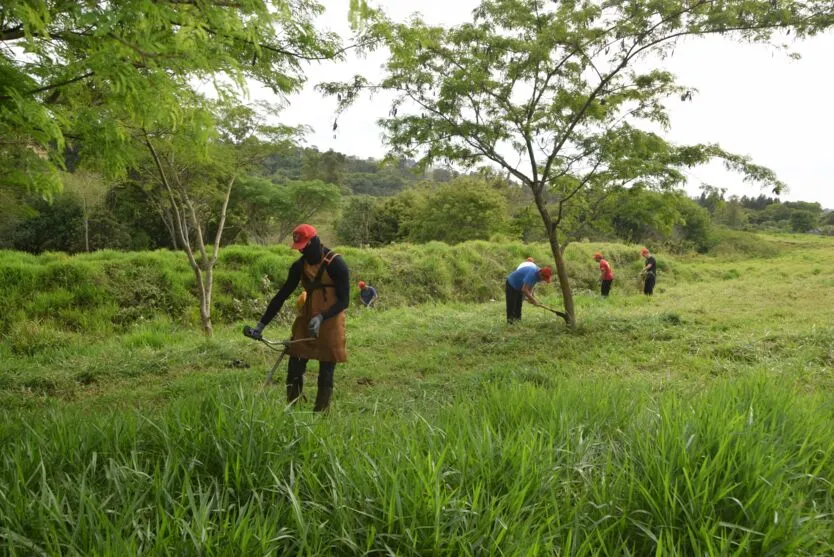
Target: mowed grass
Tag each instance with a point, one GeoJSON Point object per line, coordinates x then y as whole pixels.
{"type": "Point", "coordinates": [698, 422]}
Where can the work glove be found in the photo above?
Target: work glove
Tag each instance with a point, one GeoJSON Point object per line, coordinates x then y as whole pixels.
{"type": "Point", "coordinates": [315, 325]}
{"type": "Point", "coordinates": [255, 332]}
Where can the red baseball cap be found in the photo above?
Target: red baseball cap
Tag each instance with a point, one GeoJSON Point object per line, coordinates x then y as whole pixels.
{"type": "Point", "coordinates": [644, 251]}
{"type": "Point", "coordinates": [361, 284]}
{"type": "Point", "coordinates": [546, 273]}
{"type": "Point", "coordinates": [302, 235]}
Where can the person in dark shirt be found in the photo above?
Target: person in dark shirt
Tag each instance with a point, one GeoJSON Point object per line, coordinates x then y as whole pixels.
{"type": "Point", "coordinates": [649, 272]}
{"type": "Point", "coordinates": [325, 278]}
{"type": "Point", "coordinates": [367, 294]}
{"type": "Point", "coordinates": [606, 275]}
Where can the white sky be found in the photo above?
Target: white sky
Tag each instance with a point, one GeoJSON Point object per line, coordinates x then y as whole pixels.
{"type": "Point", "coordinates": [751, 100]}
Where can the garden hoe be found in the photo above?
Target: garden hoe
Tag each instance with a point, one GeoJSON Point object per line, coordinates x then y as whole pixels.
{"type": "Point", "coordinates": [561, 314]}
{"type": "Point", "coordinates": [274, 345]}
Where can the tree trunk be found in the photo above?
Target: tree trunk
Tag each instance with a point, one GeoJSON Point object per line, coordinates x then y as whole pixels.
{"type": "Point", "coordinates": [558, 255]}
{"type": "Point", "coordinates": [564, 281]}
{"type": "Point", "coordinates": [168, 219]}
{"type": "Point", "coordinates": [86, 228]}
{"type": "Point", "coordinates": [204, 278]}
{"type": "Point", "coordinates": [205, 302]}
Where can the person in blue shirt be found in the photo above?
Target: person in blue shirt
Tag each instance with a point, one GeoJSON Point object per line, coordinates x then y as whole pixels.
{"type": "Point", "coordinates": [367, 294]}
{"type": "Point", "coordinates": [520, 284]}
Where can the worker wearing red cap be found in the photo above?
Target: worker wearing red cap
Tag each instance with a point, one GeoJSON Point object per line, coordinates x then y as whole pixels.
{"type": "Point", "coordinates": [649, 272]}
{"type": "Point", "coordinates": [520, 284]}
{"type": "Point", "coordinates": [325, 278]}
{"type": "Point", "coordinates": [606, 275]}
{"type": "Point", "coordinates": [367, 294]}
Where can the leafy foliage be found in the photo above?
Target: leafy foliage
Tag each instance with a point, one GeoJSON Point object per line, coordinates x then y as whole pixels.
{"type": "Point", "coordinates": [273, 210]}
{"type": "Point", "coordinates": [549, 93]}
{"type": "Point", "coordinates": [457, 211]}
{"type": "Point", "coordinates": [73, 73]}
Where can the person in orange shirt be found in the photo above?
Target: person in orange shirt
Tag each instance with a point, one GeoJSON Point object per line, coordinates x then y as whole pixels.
{"type": "Point", "coordinates": [606, 275]}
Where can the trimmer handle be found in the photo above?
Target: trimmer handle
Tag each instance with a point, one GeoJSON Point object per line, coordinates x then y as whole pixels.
{"type": "Point", "coordinates": [249, 332]}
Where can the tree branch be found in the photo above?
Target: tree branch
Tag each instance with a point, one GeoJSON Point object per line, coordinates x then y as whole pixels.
{"type": "Point", "coordinates": [219, 3]}
{"type": "Point", "coordinates": [623, 63]}
{"type": "Point", "coordinates": [132, 46]}
{"type": "Point", "coordinates": [55, 85]}
{"type": "Point", "coordinates": [581, 185]}
{"type": "Point", "coordinates": [12, 33]}
{"type": "Point", "coordinates": [473, 142]}
{"type": "Point", "coordinates": [222, 221]}
{"type": "Point", "coordinates": [179, 218]}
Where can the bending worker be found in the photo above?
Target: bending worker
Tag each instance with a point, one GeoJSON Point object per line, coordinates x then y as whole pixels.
{"type": "Point", "coordinates": [367, 294]}
{"type": "Point", "coordinates": [520, 285]}
{"type": "Point", "coordinates": [325, 278]}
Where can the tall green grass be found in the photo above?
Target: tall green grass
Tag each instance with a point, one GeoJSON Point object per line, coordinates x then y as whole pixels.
{"type": "Point", "coordinates": [587, 468]}
{"type": "Point", "coordinates": [697, 422]}
{"type": "Point", "coordinates": [98, 293]}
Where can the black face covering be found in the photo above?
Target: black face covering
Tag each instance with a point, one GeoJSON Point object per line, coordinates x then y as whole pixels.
{"type": "Point", "coordinates": [312, 252]}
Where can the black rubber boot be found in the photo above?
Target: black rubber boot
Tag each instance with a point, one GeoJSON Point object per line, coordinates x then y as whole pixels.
{"type": "Point", "coordinates": [295, 379]}
{"type": "Point", "coordinates": [323, 399]}
{"type": "Point", "coordinates": [325, 384]}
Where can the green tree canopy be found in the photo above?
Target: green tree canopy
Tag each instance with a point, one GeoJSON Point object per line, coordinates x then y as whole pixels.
{"type": "Point", "coordinates": [273, 210]}
{"type": "Point", "coordinates": [550, 92]}
{"type": "Point", "coordinates": [73, 73]}
{"type": "Point", "coordinates": [463, 209]}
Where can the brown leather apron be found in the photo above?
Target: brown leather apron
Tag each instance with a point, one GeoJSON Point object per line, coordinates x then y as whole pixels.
{"type": "Point", "coordinates": [321, 294]}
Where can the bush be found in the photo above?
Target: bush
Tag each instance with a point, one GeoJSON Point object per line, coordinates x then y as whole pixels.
{"type": "Point", "coordinates": [732, 243]}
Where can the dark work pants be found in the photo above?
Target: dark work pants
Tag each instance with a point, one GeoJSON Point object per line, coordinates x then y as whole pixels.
{"type": "Point", "coordinates": [606, 287]}
{"type": "Point", "coordinates": [514, 298]}
{"type": "Point", "coordinates": [297, 367]}
{"type": "Point", "coordinates": [648, 286]}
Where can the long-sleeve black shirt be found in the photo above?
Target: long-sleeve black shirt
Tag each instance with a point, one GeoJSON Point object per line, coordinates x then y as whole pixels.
{"type": "Point", "coordinates": [338, 271]}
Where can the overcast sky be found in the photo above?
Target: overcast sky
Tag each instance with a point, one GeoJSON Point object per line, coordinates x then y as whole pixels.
{"type": "Point", "coordinates": [751, 100]}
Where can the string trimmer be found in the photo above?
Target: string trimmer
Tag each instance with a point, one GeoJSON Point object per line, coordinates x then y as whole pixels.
{"type": "Point", "coordinates": [281, 346]}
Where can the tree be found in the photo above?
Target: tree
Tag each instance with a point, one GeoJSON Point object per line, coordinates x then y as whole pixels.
{"type": "Point", "coordinates": [70, 71]}
{"type": "Point", "coordinates": [803, 221]}
{"type": "Point", "coordinates": [712, 198]}
{"type": "Point", "coordinates": [91, 190]}
{"type": "Point", "coordinates": [464, 209]}
{"type": "Point", "coordinates": [757, 203]}
{"type": "Point", "coordinates": [731, 213]}
{"type": "Point", "coordinates": [694, 225]}
{"type": "Point", "coordinates": [327, 167]}
{"type": "Point", "coordinates": [637, 214]}
{"type": "Point", "coordinates": [198, 181]}
{"type": "Point", "coordinates": [14, 210]}
{"type": "Point", "coordinates": [356, 222]}
{"type": "Point", "coordinates": [55, 227]}
{"type": "Point", "coordinates": [138, 206]}
{"type": "Point", "coordinates": [275, 209]}
{"type": "Point", "coordinates": [549, 92]}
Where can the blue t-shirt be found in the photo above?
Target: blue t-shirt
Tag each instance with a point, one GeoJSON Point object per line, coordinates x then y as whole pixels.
{"type": "Point", "coordinates": [367, 295]}
{"type": "Point", "coordinates": [525, 275]}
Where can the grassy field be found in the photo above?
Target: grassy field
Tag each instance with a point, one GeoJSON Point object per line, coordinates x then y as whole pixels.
{"type": "Point", "coordinates": [698, 422]}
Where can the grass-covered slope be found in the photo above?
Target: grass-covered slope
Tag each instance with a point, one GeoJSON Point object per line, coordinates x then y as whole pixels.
{"type": "Point", "coordinates": [696, 422]}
